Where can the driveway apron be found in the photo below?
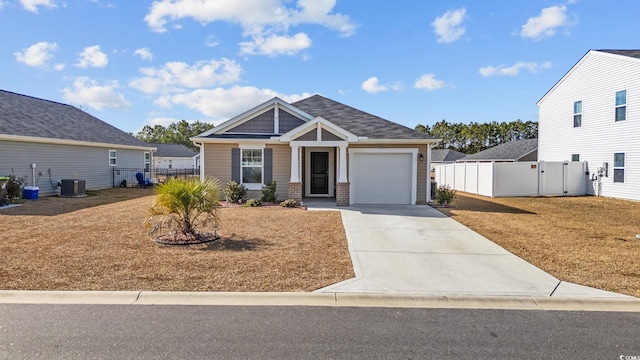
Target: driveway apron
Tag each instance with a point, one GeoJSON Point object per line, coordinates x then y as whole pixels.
{"type": "Point", "coordinates": [417, 249]}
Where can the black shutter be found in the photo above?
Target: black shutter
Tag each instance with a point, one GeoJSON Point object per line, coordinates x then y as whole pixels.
{"type": "Point", "coordinates": [268, 165]}
{"type": "Point", "coordinates": [235, 164]}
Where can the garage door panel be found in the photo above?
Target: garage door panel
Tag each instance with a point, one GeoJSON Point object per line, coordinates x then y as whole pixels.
{"type": "Point", "coordinates": [381, 178]}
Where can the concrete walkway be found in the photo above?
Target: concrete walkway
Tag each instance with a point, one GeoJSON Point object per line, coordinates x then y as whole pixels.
{"type": "Point", "coordinates": [418, 250]}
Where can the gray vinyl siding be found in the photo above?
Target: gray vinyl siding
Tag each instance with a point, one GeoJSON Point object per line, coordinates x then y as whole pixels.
{"type": "Point", "coordinates": [308, 136]}
{"type": "Point", "coordinates": [65, 162]}
{"type": "Point", "coordinates": [328, 136]}
{"type": "Point", "coordinates": [288, 121]}
{"type": "Point", "coordinates": [261, 124]}
{"type": "Point", "coordinates": [594, 81]}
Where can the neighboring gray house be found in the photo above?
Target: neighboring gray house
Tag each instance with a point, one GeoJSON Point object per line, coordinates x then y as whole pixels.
{"type": "Point", "coordinates": [63, 142]}
{"type": "Point", "coordinates": [173, 156]}
{"type": "Point", "coordinates": [444, 156]}
{"type": "Point", "coordinates": [512, 151]}
{"type": "Point", "coordinates": [317, 147]}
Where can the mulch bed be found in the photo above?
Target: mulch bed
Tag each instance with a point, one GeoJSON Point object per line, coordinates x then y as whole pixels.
{"type": "Point", "coordinates": [188, 239]}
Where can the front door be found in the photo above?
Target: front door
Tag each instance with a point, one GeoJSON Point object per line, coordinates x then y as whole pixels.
{"type": "Point", "coordinates": [319, 173]}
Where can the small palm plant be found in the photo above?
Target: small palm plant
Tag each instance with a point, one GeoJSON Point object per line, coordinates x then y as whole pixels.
{"type": "Point", "coordinates": [182, 209]}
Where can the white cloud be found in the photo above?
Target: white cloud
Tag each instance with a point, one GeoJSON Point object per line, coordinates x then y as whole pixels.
{"type": "Point", "coordinates": [144, 53]}
{"type": "Point", "coordinates": [212, 41]}
{"type": "Point", "coordinates": [174, 76]}
{"type": "Point", "coordinates": [32, 5]}
{"type": "Point", "coordinates": [59, 67]}
{"type": "Point", "coordinates": [90, 93]}
{"type": "Point", "coordinates": [266, 22]}
{"type": "Point", "coordinates": [274, 45]}
{"type": "Point", "coordinates": [448, 27]}
{"type": "Point", "coordinates": [429, 82]}
{"type": "Point", "coordinates": [92, 56]}
{"type": "Point", "coordinates": [163, 121]}
{"type": "Point", "coordinates": [2, 4]}
{"type": "Point", "coordinates": [37, 55]}
{"type": "Point", "coordinates": [372, 86]}
{"type": "Point", "coordinates": [502, 70]}
{"type": "Point", "coordinates": [545, 24]}
{"type": "Point", "coordinates": [221, 103]}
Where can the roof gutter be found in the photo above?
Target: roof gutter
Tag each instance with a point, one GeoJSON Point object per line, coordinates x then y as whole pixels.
{"type": "Point", "coordinates": [35, 139]}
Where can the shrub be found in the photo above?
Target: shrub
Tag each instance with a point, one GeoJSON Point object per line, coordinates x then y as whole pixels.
{"type": "Point", "coordinates": [184, 205]}
{"type": "Point", "coordinates": [235, 192]}
{"type": "Point", "coordinates": [14, 187]}
{"type": "Point", "coordinates": [254, 203]}
{"type": "Point", "coordinates": [445, 195]}
{"type": "Point", "coordinates": [288, 203]}
{"type": "Point", "coordinates": [269, 192]}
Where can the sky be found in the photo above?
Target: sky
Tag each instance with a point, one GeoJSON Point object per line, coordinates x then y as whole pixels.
{"type": "Point", "coordinates": [134, 63]}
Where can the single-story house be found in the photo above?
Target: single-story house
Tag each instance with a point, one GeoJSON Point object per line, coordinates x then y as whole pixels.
{"type": "Point", "coordinates": [45, 142]}
{"type": "Point", "coordinates": [592, 114]}
{"type": "Point", "coordinates": [318, 147]}
{"type": "Point", "coordinates": [444, 156]}
{"type": "Point", "coordinates": [512, 151]}
{"type": "Point", "coordinates": [173, 156]}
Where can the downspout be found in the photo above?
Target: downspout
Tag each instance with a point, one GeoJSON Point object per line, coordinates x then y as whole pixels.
{"type": "Point", "coordinates": [201, 147]}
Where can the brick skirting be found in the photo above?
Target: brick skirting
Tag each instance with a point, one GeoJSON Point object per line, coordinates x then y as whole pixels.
{"type": "Point", "coordinates": [294, 191]}
{"type": "Point", "coordinates": [342, 194]}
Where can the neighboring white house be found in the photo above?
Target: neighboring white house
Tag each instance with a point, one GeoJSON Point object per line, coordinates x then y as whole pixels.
{"type": "Point", "coordinates": [593, 114]}
{"type": "Point", "coordinates": [173, 156]}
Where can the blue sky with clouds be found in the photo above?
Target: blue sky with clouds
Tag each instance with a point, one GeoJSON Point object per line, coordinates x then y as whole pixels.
{"type": "Point", "coordinates": [132, 63]}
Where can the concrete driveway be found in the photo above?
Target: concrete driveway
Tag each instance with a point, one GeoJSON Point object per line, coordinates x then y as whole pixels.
{"type": "Point", "coordinates": [418, 250]}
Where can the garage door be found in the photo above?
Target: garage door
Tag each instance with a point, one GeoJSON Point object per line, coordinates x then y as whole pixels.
{"type": "Point", "coordinates": [381, 178]}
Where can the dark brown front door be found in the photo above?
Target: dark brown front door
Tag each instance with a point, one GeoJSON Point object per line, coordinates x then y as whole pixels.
{"type": "Point", "coordinates": [320, 173]}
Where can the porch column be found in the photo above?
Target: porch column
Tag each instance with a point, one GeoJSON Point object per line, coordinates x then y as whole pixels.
{"type": "Point", "coordinates": [342, 184]}
{"type": "Point", "coordinates": [342, 159]}
{"type": "Point", "coordinates": [295, 163]}
{"type": "Point", "coordinates": [294, 190]}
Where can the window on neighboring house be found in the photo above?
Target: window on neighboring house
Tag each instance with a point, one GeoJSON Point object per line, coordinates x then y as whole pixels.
{"type": "Point", "coordinates": [170, 164]}
{"type": "Point", "coordinates": [147, 161]}
{"type": "Point", "coordinates": [112, 158]}
{"type": "Point", "coordinates": [251, 166]}
{"type": "Point", "coordinates": [621, 105]}
{"type": "Point", "coordinates": [618, 167]}
{"type": "Point", "coordinates": [575, 157]}
{"type": "Point", "coordinates": [577, 114]}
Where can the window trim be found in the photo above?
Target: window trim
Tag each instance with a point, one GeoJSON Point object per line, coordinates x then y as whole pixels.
{"type": "Point", "coordinates": [575, 114]}
{"type": "Point", "coordinates": [617, 106]}
{"type": "Point", "coordinates": [114, 157]}
{"type": "Point", "coordinates": [617, 167]}
{"type": "Point", "coordinates": [253, 186]}
{"type": "Point", "coordinates": [147, 160]}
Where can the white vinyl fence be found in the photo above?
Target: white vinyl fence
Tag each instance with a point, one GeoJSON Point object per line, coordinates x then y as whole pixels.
{"type": "Point", "coordinates": [504, 179]}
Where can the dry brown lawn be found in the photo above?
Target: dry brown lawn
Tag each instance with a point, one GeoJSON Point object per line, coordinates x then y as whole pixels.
{"type": "Point", "coordinates": [99, 243]}
{"type": "Point", "coordinates": [585, 240]}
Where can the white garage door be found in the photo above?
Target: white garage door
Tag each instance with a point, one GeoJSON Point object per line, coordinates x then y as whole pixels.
{"type": "Point", "coordinates": [381, 178]}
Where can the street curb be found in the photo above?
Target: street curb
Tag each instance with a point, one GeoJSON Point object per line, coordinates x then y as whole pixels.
{"type": "Point", "coordinates": [319, 299]}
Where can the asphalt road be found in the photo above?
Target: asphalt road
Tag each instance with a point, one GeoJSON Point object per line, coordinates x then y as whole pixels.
{"type": "Point", "coordinates": [230, 332]}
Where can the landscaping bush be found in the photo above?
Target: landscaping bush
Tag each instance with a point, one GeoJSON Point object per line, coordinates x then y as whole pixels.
{"type": "Point", "coordinates": [269, 192]}
{"type": "Point", "coordinates": [445, 195]}
{"type": "Point", "coordinates": [14, 187]}
{"type": "Point", "coordinates": [290, 203]}
{"type": "Point", "coordinates": [235, 192]}
{"type": "Point", "coordinates": [185, 205]}
{"type": "Point", "coordinates": [254, 203]}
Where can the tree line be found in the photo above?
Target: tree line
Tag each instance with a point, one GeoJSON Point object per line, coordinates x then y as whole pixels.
{"type": "Point", "coordinates": [175, 133]}
{"type": "Point", "coordinates": [474, 137]}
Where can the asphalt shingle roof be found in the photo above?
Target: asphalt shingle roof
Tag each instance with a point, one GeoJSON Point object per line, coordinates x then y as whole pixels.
{"type": "Point", "coordinates": [513, 150]}
{"type": "Point", "coordinates": [24, 115]}
{"type": "Point", "coordinates": [446, 155]}
{"type": "Point", "coordinates": [356, 121]}
{"type": "Point", "coordinates": [173, 150]}
{"type": "Point", "coordinates": [629, 53]}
